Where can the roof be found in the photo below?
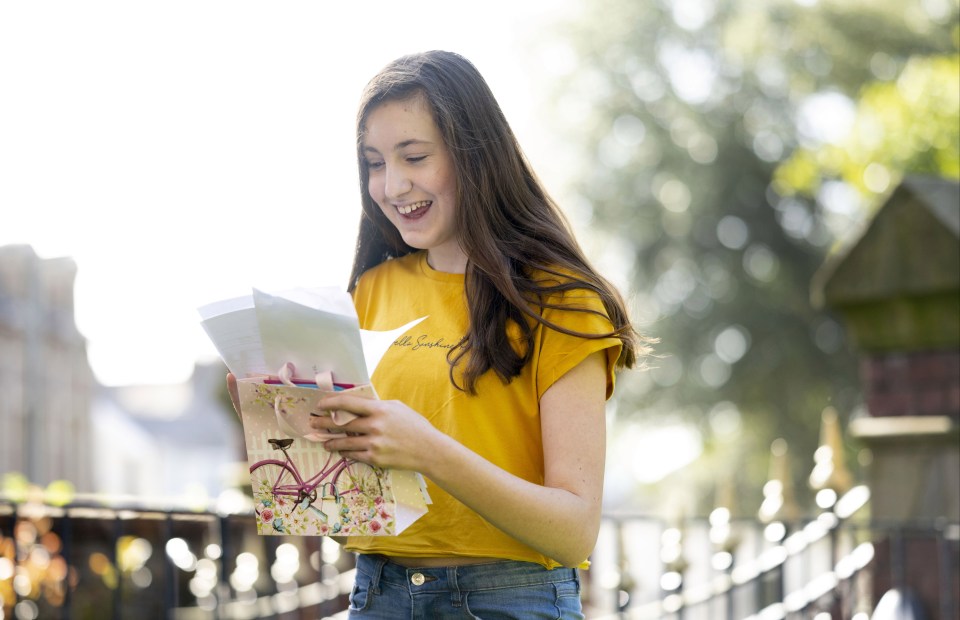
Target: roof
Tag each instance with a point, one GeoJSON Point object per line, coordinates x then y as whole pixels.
{"type": "Point", "coordinates": [910, 248]}
{"type": "Point", "coordinates": [940, 196]}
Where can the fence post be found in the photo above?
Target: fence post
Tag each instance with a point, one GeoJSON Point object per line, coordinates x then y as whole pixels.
{"type": "Point", "coordinates": [66, 541]}
{"type": "Point", "coordinates": [675, 563]}
{"type": "Point", "coordinates": [724, 537]}
{"type": "Point", "coordinates": [223, 588]}
{"type": "Point", "coordinates": [115, 561]}
{"type": "Point", "coordinates": [170, 572]}
{"type": "Point", "coordinates": [948, 608]}
{"type": "Point", "coordinates": [625, 584]}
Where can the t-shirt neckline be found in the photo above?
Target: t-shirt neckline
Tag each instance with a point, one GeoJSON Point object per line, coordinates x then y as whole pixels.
{"type": "Point", "coordinates": [433, 274]}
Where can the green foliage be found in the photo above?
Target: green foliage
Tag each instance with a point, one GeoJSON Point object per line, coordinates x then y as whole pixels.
{"type": "Point", "coordinates": [909, 125]}
{"type": "Point", "coordinates": [686, 111]}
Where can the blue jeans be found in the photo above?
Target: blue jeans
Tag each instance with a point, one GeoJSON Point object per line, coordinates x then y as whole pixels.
{"type": "Point", "coordinates": [500, 590]}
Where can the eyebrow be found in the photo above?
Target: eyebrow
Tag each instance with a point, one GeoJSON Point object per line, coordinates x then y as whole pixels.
{"type": "Point", "coordinates": [400, 145]}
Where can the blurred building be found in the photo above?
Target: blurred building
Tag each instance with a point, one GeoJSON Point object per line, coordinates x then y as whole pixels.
{"type": "Point", "coordinates": [168, 440]}
{"type": "Point", "coordinates": [897, 287]}
{"type": "Point", "coordinates": [45, 379]}
{"type": "Point", "coordinates": [57, 423]}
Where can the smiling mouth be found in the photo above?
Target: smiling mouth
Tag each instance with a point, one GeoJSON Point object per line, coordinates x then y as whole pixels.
{"type": "Point", "coordinates": [413, 206]}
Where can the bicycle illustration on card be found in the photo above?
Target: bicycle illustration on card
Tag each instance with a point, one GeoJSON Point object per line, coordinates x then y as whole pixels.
{"type": "Point", "coordinates": [300, 488]}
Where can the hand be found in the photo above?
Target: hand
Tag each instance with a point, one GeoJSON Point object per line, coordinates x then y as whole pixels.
{"type": "Point", "coordinates": [385, 433]}
{"type": "Point", "coordinates": [234, 393]}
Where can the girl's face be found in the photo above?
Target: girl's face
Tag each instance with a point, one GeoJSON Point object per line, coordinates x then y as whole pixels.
{"type": "Point", "coordinates": [412, 179]}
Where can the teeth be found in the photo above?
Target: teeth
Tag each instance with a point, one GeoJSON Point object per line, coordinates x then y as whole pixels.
{"type": "Point", "coordinates": [410, 208]}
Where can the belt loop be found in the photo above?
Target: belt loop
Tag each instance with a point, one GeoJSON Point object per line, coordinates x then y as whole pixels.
{"type": "Point", "coordinates": [379, 562]}
{"type": "Point", "coordinates": [455, 599]}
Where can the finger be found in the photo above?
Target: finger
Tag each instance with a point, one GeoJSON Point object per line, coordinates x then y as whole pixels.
{"type": "Point", "coordinates": [323, 424]}
{"type": "Point", "coordinates": [332, 401]}
{"type": "Point", "coordinates": [323, 436]}
{"type": "Point", "coordinates": [350, 447]}
{"type": "Point", "coordinates": [234, 392]}
{"type": "Point", "coordinates": [353, 429]}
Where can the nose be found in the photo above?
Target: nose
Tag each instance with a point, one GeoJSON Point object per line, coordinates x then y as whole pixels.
{"type": "Point", "coordinates": [397, 182]}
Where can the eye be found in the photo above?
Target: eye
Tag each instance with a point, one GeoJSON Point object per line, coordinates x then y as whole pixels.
{"type": "Point", "coordinates": [416, 158]}
{"type": "Point", "coordinates": [374, 165]}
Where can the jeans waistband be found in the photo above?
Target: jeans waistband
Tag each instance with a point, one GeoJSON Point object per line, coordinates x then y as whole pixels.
{"type": "Point", "coordinates": [488, 576]}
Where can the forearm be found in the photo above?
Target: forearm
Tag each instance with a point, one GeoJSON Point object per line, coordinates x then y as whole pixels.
{"type": "Point", "coordinates": [556, 522]}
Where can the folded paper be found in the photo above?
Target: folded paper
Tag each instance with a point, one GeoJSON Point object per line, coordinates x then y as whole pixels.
{"type": "Point", "coordinates": [299, 488]}
{"type": "Point", "coordinates": [316, 329]}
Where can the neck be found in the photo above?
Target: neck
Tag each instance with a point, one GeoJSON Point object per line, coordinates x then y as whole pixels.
{"type": "Point", "coordinates": [447, 262]}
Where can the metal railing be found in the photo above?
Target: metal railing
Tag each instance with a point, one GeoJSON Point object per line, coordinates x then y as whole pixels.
{"type": "Point", "coordinates": [87, 560]}
{"type": "Point", "coordinates": [822, 568]}
{"type": "Point", "coordinates": [92, 559]}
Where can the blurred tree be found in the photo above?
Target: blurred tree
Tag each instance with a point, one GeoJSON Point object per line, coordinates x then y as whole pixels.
{"type": "Point", "coordinates": [910, 124]}
{"type": "Point", "coordinates": [686, 108]}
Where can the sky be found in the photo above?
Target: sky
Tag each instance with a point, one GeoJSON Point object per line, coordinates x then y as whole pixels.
{"type": "Point", "coordinates": [182, 152]}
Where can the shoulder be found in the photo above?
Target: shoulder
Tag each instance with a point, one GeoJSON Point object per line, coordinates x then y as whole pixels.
{"type": "Point", "coordinates": [565, 296]}
{"type": "Point", "coordinates": [575, 323]}
{"type": "Point", "coordinates": [552, 278]}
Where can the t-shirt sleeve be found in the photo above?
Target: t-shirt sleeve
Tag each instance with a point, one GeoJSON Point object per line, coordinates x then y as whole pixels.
{"type": "Point", "coordinates": [559, 352]}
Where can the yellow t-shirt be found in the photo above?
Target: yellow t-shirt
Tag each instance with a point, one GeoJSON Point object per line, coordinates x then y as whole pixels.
{"type": "Point", "coordinates": [501, 422]}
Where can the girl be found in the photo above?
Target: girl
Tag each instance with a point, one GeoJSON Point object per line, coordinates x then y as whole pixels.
{"type": "Point", "coordinates": [498, 396]}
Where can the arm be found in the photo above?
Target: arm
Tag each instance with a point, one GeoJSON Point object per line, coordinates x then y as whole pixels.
{"type": "Point", "coordinates": [560, 519]}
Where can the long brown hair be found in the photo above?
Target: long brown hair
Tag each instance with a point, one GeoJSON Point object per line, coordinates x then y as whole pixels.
{"type": "Point", "coordinates": [511, 231]}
